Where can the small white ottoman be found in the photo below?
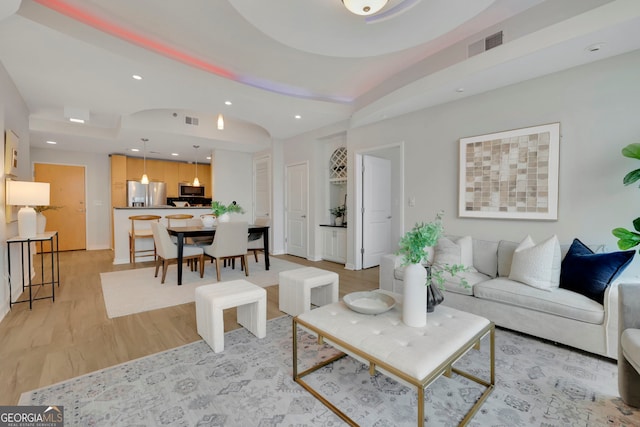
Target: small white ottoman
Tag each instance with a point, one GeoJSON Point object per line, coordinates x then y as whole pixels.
{"type": "Point", "coordinates": [302, 287]}
{"type": "Point", "coordinates": [211, 300]}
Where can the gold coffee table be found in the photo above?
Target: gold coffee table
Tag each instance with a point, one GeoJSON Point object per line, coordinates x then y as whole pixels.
{"type": "Point", "coordinates": [414, 356]}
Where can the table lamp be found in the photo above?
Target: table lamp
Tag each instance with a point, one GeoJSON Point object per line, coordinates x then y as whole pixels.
{"type": "Point", "coordinates": [27, 194]}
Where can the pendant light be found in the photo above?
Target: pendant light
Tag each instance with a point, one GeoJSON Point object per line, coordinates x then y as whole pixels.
{"type": "Point", "coordinates": [220, 122]}
{"type": "Point", "coordinates": [196, 181]}
{"type": "Point", "coordinates": [145, 178]}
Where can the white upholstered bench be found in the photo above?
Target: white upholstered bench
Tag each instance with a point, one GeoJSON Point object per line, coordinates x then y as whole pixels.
{"type": "Point", "coordinates": [211, 300]}
{"type": "Point", "coordinates": [302, 287]}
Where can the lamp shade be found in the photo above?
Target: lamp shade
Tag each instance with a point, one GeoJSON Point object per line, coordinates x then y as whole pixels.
{"type": "Point", "coordinates": [27, 193]}
{"type": "Point", "coordinates": [364, 7]}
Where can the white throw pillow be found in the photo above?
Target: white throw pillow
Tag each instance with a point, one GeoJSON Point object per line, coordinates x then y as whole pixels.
{"type": "Point", "coordinates": [537, 265]}
{"type": "Point", "coordinates": [459, 251]}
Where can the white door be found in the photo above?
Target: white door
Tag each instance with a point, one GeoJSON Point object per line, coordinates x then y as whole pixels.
{"type": "Point", "coordinates": [376, 215]}
{"type": "Point", "coordinates": [296, 213]}
{"type": "Point", "coordinates": [262, 188]}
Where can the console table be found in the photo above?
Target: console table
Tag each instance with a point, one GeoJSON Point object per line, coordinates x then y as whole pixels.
{"type": "Point", "coordinates": [52, 238]}
{"type": "Point", "coordinates": [414, 356]}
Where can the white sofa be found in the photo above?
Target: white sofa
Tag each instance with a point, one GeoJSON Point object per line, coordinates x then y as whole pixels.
{"type": "Point", "coordinates": [559, 315]}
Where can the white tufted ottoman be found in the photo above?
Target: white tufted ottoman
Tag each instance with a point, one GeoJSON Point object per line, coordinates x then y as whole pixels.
{"type": "Point", "coordinates": [211, 300]}
{"type": "Point", "coordinates": [302, 287]}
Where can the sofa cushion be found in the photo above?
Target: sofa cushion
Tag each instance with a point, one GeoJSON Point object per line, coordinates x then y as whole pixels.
{"type": "Point", "coordinates": [505, 255]}
{"type": "Point", "coordinates": [630, 343]}
{"type": "Point", "coordinates": [537, 265]}
{"type": "Point", "coordinates": [485, 257]}
{"type": "Point", "coordinates": [454, 251]}
{"type": "Point", "coordinates": [559, 302]}
{"type": "Point", "coordinates": [452, 284]}
{"type": "Point", "coordinates": [589, 274]}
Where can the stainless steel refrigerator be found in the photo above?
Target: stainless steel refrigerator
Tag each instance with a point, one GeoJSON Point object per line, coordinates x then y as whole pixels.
{"type": "Point", "coordinates": [151, 194]}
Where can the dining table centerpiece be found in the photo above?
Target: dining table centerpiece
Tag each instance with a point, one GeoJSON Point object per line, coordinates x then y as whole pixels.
{"type": "Point", "coordinates": [222, 211]}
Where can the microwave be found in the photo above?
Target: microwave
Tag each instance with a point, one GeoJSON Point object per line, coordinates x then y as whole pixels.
{"type": "Point", "coordinates": [188, 190]}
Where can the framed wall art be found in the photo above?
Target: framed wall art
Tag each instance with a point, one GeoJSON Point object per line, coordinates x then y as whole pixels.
{"type": "Point", "coordinates": [10, 152]}
{"type": "Point", "coordinates": [511, 174]}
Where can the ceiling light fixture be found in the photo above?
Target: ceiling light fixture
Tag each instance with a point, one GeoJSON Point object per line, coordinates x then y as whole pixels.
{"type": "Point", "coordinates": [364, 7]}
{"type": "Point", "coordinates": [52, 142]}
{"type": "Point", "coordinates": [136, 77]}
{"type": "Point", "coordinates": [196, 181]}
{"type": "Point", "coordinates": [220, 122]}
{"type": "Point", "coordinates": [145, 178]}
{"type": "Point", "coordinates": [74, 120]}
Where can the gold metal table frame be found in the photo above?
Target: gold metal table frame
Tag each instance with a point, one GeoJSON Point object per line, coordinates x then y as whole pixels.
{"type": "Point", "coordinates": [445, 368]}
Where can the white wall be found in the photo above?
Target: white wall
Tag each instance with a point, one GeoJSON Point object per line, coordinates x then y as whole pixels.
{"type": "Point", "coordinates": [97, 189]}
{"type": "Point", "coordinates": [14, 115]}
{"type": "Point", "coordinates": [232, 176]}
{"type": "Point", "coordinates": [597, 106]}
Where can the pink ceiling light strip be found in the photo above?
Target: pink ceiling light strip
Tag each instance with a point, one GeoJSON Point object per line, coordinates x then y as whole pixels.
{"type": "Point", "coordinates": [93, 21]}
{"type": "Point", "coordinates": [120, 32]}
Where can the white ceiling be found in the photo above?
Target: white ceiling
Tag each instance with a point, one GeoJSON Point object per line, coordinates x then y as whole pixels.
{"type": "Point", "coordinates": [276, 59]}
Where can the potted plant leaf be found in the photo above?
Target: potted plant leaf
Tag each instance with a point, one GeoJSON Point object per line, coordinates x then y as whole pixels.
{"type": "Point", "coordinates": [222, 211]}
{"type": "Point", "coordinates": [338, 212]}
{"type": "Point", "coordinates": [628, 239]}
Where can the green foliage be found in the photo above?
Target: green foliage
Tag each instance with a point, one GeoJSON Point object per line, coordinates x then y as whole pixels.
{"type": "Point", "coordinates": [422, 235]}
{"type": "Point", "coordinates": [629, 239]}
{"type": "Point", "coordinates": [218, 208]}
{"type": "Point", "coordinates": [338, 211]}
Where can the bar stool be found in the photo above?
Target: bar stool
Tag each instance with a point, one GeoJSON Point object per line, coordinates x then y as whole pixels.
{"type": "Point", "coordinates": [141, 233]}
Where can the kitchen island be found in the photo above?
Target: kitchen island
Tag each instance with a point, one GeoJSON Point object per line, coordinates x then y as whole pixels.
{"type": "Point", "coordinates": [122, 224]}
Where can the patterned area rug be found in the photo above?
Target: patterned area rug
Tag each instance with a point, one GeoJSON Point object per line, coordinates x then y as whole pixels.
{"type": "Point", "coordinates": [249, 384]}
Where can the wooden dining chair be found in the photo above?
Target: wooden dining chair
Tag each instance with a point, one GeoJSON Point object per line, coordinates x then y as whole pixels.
{"type": "Point", "coordinates": [179, 220]}
{"type": "Point", "coordinates": [256, 240]}
{"type": "Point", "coordinates": [140, 231]}
{"type": "Point", "coordinates": [229, 242]}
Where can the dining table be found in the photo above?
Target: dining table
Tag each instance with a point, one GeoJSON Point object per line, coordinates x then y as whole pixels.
{"type": "Point", "coordinates": [181, 233]}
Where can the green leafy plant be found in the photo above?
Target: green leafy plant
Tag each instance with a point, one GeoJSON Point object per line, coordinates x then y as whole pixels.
{"type": "Point", "coordinates": [218, 208]}
{"type": "Point", "coordinates": [628, 239]}
{"type": "Point", "coordinates": [40, 209]}
{"type": "Point", "coordinates": [338, 211]}
{"type": "Point", "coordinates": [413, 250]}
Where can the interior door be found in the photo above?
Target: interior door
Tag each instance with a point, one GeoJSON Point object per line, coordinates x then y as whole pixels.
{"type": "Point", "coordinates": [262, 187]}
{"type": "Point", "coordinates": [376, 215]}
{"type": "Point", "coordinates": [297, 182]}
{"type": "Point", "coordinates": [68, 192]}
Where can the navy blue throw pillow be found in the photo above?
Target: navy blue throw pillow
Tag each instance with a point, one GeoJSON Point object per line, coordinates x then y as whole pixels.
{"type": "Point", "coordinates": [589, 274]}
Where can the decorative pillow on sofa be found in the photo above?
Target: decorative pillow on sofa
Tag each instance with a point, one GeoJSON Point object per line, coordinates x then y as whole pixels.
{"type": "Point", "coordinates": [537, 265]}
{"type": "Point", "coordinates": [452, 252]}
{"type": "Point", "coordinates": [589, 273]}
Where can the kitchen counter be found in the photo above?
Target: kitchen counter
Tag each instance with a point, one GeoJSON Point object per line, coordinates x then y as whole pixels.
{"type": "Point", "coordinates": [122, 224]}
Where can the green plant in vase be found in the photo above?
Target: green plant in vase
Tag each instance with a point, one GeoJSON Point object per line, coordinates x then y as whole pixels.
{"type": "Point", "coordinates": [221, 211]}
{"type": "Point", "coordinates": [629, 239]}
{"type": "Point", "coordinates": [338, 212]}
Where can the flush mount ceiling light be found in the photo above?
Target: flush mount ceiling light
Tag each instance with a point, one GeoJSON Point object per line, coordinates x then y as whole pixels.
{"type": "Point", "coordinates": [364, 7]}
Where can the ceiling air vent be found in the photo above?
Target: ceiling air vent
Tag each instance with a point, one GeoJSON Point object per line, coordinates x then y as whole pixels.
{"type": "Point", "coordinates": [485, 44]}
{"type": "Point", "coordinates": [191, 120]}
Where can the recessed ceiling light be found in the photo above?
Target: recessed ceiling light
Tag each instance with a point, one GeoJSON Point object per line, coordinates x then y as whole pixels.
{"type": "Point", "coordinates": [137, 77]}
{"type": "Point", "coordinates": [74, 120]}
{"type": "Point", "coordinates": [134, 149]}
{"type": "Point", "coordinates": [460, 90]}
{"type": "Point", "coordinates": [175, 154]}
{"type": "Point", "coordinates": [228, 103]}
{"type": "Point", "coordinates": [297, 116]}
{"type": "Point", "coordinates": [51, 142]}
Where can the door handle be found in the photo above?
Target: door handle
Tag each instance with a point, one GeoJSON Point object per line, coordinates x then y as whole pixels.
{"type": "Point", "coordinates": [303, 216]}
{"type": "Point", "coordinates": [389, 217]}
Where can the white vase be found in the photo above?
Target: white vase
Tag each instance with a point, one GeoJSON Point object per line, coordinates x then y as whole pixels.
{"type": "Point", "coordinates": [414, 301]}
{"type": "Point", "coordinates": [208, 221]}
{"type": "Point", "coordinates": [225, 217]}
{"type": "Point", "coordinates": [41, 223]}
{"type": "Point", "coordinates": [339, 221]}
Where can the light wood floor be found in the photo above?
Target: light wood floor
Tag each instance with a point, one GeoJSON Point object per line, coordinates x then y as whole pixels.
{"type": "Point", "coordinates": [73, 336]}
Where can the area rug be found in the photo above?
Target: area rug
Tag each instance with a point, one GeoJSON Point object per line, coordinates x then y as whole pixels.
{"type": "Point", "coordinates": [134, 291]}
{"type": "Point", "coordinates": [250, 384]}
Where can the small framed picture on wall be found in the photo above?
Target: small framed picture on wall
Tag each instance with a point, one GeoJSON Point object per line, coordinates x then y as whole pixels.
{"type": "Point", "coordinates": [10, 152]}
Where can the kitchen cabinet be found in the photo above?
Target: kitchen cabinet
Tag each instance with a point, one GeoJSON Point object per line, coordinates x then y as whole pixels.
{"type": "Point", "coordinates": [334, 244]}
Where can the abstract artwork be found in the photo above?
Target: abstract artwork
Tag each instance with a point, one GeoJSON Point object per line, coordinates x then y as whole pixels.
{"type": "Point", "coordinates": [511, 174]}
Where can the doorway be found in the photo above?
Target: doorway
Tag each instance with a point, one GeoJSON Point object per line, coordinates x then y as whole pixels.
{"type": "Point", "coordinates": [297, 223]}
{"type": "Point", "coordinates": [394, 156]}
{"type": "Point", "coordinates": [67, 195]}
